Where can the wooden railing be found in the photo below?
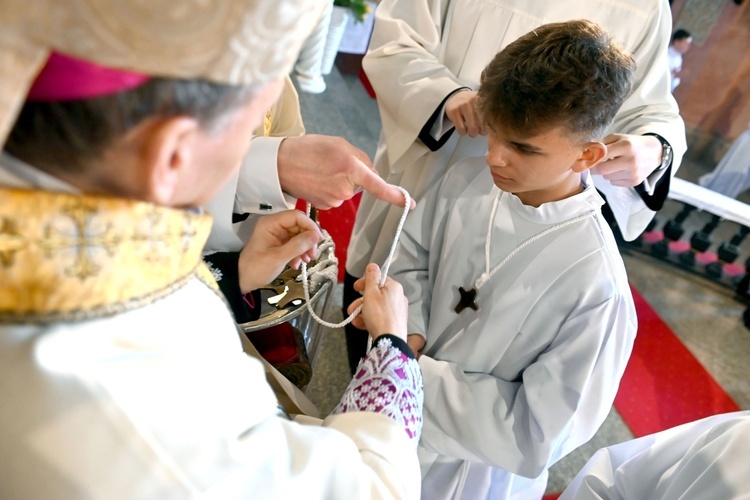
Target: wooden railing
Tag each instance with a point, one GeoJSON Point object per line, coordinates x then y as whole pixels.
{"type": "Point", "coordinates": [705, 233]}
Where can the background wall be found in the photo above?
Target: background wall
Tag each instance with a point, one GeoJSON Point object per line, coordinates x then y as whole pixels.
{"type": "Point", "coordinates": [714, 95]}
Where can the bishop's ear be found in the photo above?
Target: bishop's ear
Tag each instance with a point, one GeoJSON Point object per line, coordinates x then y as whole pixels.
{"type": "Point", "coordinates": [167, 155]}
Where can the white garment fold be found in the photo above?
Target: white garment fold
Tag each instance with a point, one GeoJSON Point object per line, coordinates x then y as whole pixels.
{"type": "Point", "coordinates": [702, 459]}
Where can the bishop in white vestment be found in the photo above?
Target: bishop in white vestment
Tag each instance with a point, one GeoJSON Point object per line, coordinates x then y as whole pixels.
{"type": "Point", "coordinates": [123, 372]}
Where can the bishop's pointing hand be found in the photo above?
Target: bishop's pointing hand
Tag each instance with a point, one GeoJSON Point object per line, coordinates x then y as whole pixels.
{"type": "Point", "coordinates": [326, 171]}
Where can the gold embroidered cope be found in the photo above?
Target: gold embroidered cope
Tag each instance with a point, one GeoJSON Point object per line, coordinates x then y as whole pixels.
{"type": "Point", "coordinates": [68, 257]}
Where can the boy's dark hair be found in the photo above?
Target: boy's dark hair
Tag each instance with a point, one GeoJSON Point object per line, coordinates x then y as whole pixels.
{"type": "Point", "coordinates": [570, 74]}
{"type": "Point", "coordinates": [680, 35]}
{"type": "Point", "coordinates": [55, 135]}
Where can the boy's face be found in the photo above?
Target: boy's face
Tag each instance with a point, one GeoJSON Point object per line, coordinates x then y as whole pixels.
{"type": "Point", "coordinates": [538, 169]}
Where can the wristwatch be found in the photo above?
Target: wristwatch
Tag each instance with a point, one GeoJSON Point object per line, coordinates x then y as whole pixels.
{"type": "Point", "coordinates": [666, 153]}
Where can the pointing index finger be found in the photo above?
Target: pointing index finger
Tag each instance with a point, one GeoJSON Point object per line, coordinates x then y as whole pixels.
{"type": "Point", "coordinates": [372, 183]}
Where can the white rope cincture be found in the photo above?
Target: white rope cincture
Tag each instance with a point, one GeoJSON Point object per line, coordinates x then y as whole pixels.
{"type": "Point", "coordinates": [489, 273]}
{"type": "Point", "coordinates": [384, 270]}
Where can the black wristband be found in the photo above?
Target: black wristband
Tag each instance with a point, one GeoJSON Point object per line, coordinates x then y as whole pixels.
{"type": "Point", "coordinates": [227, 263]}
{"type": "Point", "coordinates": [398, 343]}
{"type": "Point", "coordinates": [656, 200]}
{"type": "Point", "coordinates": [667, 155]}
{"type": "Point", "coordinates": [426, 137]}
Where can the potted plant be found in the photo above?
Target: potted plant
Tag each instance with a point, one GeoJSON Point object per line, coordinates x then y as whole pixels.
{"type": "Point", "coordinates": [358, 8]}
{"type": "Point", "coordinates": [343, 10]}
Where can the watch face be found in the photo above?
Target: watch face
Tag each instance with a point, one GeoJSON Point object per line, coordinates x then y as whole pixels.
{"type": "Point", "coordinates": [666, 158]}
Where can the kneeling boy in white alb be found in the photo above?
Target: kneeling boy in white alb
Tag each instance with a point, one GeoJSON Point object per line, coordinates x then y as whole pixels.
{"type": "Point", "coordinates": [519, 300]}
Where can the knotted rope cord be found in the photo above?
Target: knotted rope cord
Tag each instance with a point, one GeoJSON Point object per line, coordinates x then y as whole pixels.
{"type": "Point", "coordinates": [384, 272]}
{"type": "Point", "coordinates": [489, 273]}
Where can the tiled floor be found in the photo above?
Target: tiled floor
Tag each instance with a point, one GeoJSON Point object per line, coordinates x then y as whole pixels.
{"type": "Point", "coordinates": [705, 317]}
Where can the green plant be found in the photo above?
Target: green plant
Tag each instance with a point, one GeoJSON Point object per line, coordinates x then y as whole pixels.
{"type": "Point", "coordinates": [359, 8]}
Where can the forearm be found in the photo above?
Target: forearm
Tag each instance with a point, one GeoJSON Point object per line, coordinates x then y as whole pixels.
{"type": "Point", "coordinates": [357, 454]}
{"type": "Point", "coordinates": [404, 70]}
{"type": "Point", "coordinates": [390, 370]}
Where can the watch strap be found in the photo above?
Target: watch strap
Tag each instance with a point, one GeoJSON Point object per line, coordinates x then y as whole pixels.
{"type": "Point", "coordinates": [666, 152]}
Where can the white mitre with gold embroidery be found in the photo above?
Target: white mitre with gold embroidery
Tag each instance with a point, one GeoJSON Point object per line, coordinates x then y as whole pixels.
{"type": "Point", "coordinates": [225, 41]}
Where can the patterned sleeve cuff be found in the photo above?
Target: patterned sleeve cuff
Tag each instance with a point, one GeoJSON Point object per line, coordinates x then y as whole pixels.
{"type": "Point", "coordinates": [389, 382]}
{"type": "Point", "coordinates": [398, 343]}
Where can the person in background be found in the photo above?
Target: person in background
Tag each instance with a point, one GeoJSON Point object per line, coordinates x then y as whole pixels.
{"type": "Point", "coordinates": [124, 370]}
{"type": "Point", "coordinates": [424, 63]}
{"type": "Point", "coordinates": [681, 42]}
{"type": "Point", "coordinates": [309, 66]}
{"type": "Point", "coordinates": [731, 177]}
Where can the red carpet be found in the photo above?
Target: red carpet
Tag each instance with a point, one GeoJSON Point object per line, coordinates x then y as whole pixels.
{"type": "Point", "coordinates": [664, 385]}
{"type": "Point", "coordinates": [366, 83]}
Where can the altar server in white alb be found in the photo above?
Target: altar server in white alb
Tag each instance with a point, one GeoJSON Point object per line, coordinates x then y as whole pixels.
{"type": "Point", "coordinates": [424, 63]}
{"type": "Point", "coordinates": [702, 459]}
{"type": "Point", "coordinates": [124, 374]}
{"type": "Point", "coordinates": [518, 299]}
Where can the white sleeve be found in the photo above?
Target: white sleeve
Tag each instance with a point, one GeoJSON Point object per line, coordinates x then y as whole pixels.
{"type": "Point", "coordinates": [650, 108]}
{"type": "Point", "coordinates": [349, 455]}
{"type": "Point", "coordinates": [403, 67]}
{"type": "Point", "coordinates": [561, 399]}
{"type": "Point", "coordinates": [701, 459]}
{"type": "Point", "coordinates": [180, 411]}
{"type": "Point", "coordinates": [258, 187]}
{"type": "Point", "coordinates": [254, 189]}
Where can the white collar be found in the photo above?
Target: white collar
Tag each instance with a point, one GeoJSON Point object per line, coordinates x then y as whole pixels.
{"type": "Point", "coordinates": [558, 211]}
{"type": "Point", "coordinates": [18, 174]}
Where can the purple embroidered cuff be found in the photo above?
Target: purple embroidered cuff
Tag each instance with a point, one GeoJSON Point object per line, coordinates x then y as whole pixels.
{"type": "Point", "coordinates": [390, 383]}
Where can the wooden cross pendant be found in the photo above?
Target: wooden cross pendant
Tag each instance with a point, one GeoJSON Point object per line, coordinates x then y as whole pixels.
{"type": "Point", "coordinates": [466, 300]}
